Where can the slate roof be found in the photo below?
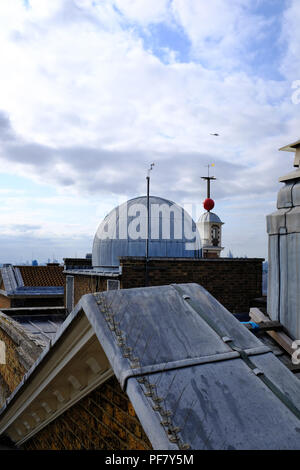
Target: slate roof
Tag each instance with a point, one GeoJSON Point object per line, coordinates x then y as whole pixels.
{"type": "Point", "coordinates": [196, 377]}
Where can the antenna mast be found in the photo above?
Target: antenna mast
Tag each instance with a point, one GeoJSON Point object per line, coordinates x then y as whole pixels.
{"type": "Point", "coordinates": [148, 210]}
{"type": "Point", "coordinates": [208, 180]}
{"type": "Point", "coordinates": [148, 223]}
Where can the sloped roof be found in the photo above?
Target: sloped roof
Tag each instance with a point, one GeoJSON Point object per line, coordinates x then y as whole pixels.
{"type": "Point", "coordinates": [196, 377]}
{"type": "Point", "coordinates": [207, 368]}
{"type": "Point", "coordinates": [40, 322]}
{"type": "Point", "coordinates": [33, 280]}
{"type": "Point", "coordinates": [28, 347]}
{"type": "Point", "coordinates": [42, 276]}
{"type": "Point", "coordinates": [43, 327]}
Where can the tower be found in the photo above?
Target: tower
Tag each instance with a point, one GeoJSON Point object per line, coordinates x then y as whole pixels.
{"type": "Point", "coordinates": [283, 227]}
{"type": "Point", "coordinates": [209, 226]}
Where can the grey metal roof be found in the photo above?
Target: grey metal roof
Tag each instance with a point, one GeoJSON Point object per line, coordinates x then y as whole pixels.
{"type": "Point", "coordinates": [215, 398]}
{"type": "Point", "coordinates": [110, 243]}
{"type": "Point", "coordinates": [27, 347]}
{"type": "Point", "coordinates": [101, 271]}
{"type": "Point", "coordinates": [10, 280]}
{"type": "Point", "coordinates": [32, 311]}
{"type": "Point", "coordinates": [196, 377]}
{"type": "Point", "coordinates": [209, 217]}
{"type": "Point", "coordinates": [38, 291]}
{"type": "Point", "coordinates": [43, 327]}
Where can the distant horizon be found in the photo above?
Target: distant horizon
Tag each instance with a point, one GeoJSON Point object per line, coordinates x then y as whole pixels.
{"type": "Point", "coordinates": [60, 261]}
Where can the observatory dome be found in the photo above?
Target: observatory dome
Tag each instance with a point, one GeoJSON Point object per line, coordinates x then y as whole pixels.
{"type": "Point", "coordinates": [123, 232]}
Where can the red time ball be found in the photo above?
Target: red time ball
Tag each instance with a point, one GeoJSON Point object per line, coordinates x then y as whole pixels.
{"type": "Point", "coordinates": [209, 204]}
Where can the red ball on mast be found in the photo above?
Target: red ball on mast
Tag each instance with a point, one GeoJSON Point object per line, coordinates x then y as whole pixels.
{"type": "Point", "coordinates": [209, 204]}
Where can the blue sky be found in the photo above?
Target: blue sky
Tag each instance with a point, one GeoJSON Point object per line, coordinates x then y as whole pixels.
{"type": "Point", "coordinates": [91, 92]}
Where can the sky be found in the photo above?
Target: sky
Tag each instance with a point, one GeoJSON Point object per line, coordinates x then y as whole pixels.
{"type": "Point", "coordinates": [93, 91]}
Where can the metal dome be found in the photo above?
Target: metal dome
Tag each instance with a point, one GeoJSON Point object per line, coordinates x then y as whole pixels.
{"type": "Point", "coordinates": [173, 233]}
{"type": "Point", "coordinates": [209, 217]}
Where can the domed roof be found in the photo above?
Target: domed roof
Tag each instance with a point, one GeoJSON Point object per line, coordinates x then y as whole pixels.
{"type": "Point", "coordinates": [209, 217]}
{"type": "Point", "coordinates": [123, 232]}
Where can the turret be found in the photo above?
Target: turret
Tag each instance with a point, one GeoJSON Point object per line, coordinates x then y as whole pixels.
{"type": "Point", "coordinates": [210, 226]}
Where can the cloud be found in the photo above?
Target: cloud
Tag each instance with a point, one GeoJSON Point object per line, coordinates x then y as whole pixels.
{"type": "Point", "coordinates": [87, 103]}
{"type": "Point", "coordinates": [24, 227]}
{"type": "Point", "coordinates": [143, 11]}
{"type": "Point", "coordinates": [220, 31]}
{"type": "Point", "coordinates": [20, 248]}
{"type": "Point", "coordinates": [6, 131]}
{"type": "Point", "coordinates": [290, 39]}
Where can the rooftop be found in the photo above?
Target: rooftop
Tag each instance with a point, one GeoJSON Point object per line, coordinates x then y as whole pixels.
{"type": "Point", "coordinates": [33, 281]}
{"type": "Point", "coordinates": [210, 217]}
{"type": "Point", "coordinates": [43, 327]}
{"type": "Point", "coordinates": [194, 374]}
{"type": "Point", "coordinates": [291, 147]}
{"type": "Point", "coordinates": [41, 276]}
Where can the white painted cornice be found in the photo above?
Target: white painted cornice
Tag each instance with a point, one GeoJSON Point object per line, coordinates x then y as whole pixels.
{"type": "Point", "coordinates": [74, 366]}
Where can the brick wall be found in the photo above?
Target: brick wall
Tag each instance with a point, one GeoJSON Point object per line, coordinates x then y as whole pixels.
{"type": "Point", "coordinates": [85, 284]}
{"type": "Point", "coordinates": [233, 282]}
{"type": "Point", "coordinates": [14, 302]}
{"type": "Point", "coordinates": [21, 352]}
{"type": "Point", "coordinates": [77, 263]}
{"type": "Point", "coordinates": [210, 254]}
{"type": "Point", "coordinates": [4, 301]}
{"type": "Point", "coordinates": [105, 419]}
{"type": "Point", "coordinates": [13, 371]}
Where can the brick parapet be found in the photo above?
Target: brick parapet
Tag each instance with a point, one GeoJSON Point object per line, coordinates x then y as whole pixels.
{"type": "Point", "coordinates": [234, 282]}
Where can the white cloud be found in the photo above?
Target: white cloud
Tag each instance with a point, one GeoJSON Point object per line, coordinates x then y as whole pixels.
{"type": "Point", "coordinates": [143, 11]}
{"type": "Point", "coordinates": [290, 38]}
{"type": "Point", "coordinates": [219, 30]}
{"type": "Point", "coordinates": [89, 107]}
